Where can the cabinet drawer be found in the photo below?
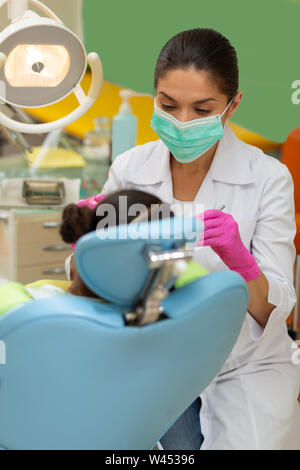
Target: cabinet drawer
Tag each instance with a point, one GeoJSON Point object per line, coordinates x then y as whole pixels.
{"type": "Point", "coordinates": [38, 241]}
{"type": "Point", "coordinates": [45, 228]}
{"type": "Point", "coordinates": [36, 273]}
{"type": "Point", "coordinates": [38, 253]}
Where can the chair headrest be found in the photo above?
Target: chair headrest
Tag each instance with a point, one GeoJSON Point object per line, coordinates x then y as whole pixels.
{"type": "Point", "coordinates": [113, 262]}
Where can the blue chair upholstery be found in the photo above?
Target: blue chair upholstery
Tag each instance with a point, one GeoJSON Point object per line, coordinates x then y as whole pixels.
{"type": "Point", "coordinates": [77, 377]}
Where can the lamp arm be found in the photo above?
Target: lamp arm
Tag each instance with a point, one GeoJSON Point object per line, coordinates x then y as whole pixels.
{"type": "Point", "coordinates": [36, 3]}
{"type": "Point", "coordinates": [16, 8]}
{"type": "Point", "coordinates": [94, 91]}
{"type": "Point", "coordinates": [46, 10]}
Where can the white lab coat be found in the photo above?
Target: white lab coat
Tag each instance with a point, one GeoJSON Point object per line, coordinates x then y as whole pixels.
{"type": "Point", "coordinates": [252, 401]}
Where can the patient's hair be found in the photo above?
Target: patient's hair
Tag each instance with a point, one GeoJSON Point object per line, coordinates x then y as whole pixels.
{"type": "Point", "coordinates": [78, 221]}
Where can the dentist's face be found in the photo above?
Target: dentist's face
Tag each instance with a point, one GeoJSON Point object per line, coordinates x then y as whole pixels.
{"type": "Point", "coordinates": [189, 94]}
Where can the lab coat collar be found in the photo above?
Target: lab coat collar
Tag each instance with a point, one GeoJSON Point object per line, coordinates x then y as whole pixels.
{"type": "Point", "coordinates": [229, 164]}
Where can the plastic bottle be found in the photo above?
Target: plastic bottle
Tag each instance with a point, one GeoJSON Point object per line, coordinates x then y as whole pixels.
{"type": "Point", "coordinates": [124, 128]}
{"type": "Point", "coordinates": [97, 143]}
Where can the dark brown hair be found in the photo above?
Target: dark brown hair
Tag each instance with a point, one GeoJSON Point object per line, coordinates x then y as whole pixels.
{"type": "Point", "coordinates": [205, 49]}
{"type": "Point", "coordinates": [78, 221]}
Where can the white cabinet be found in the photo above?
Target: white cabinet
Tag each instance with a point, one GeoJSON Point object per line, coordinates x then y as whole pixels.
{"type": "Point", "coordinates": [31, 247]}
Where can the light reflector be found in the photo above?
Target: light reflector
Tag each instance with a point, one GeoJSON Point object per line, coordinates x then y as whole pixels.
{"type": "Point", "coordinates": [35, 65]}
{"type": "Point", "coordinates": [41, 63]}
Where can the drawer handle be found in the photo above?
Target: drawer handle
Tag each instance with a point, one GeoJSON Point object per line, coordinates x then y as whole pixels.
{"type": "Point", "coordinates": [54, 271]}
{"type": "Point", "coordinates": [57, 248]}
{"type": "Point", "coordinates": [52, 224]}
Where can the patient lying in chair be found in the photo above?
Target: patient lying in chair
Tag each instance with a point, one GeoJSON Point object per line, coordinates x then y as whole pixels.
{"type": "Point", "coordinates": [77, 221]}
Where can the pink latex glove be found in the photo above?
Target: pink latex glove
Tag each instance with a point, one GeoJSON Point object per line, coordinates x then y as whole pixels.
{"type": "Point", "coordinates": [91, 202]}
{"type": "Point", "coordinates": [222, 235]}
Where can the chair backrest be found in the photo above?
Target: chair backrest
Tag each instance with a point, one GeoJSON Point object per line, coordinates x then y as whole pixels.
{"type": "Point", "coordinates": [291, 158]}
{"type": "Point", "coordinates": [77, 378]}
{"type": "Point", "coordinates": [123, 267]}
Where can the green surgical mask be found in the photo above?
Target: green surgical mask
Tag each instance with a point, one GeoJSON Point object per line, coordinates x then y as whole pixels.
{"type": "Point", "coordinates": [187, 141]}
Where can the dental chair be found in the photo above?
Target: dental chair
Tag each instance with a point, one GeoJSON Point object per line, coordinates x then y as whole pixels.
{"type": "Point", "coordinates": [83, 374]}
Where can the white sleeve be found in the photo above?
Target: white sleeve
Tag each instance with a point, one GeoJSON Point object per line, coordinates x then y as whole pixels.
{"type": "Point", "coordinates": [273, 247]}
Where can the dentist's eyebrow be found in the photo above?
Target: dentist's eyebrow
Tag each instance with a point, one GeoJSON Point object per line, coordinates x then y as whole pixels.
{"type": "Point", "coordinates": [204, 101]}
{"type": "Point", "coordinates": [195, 102]}
{"type": "Point", "coordinates": [167, 96]}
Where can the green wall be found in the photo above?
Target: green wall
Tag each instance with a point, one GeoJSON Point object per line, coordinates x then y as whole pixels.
{"type": "Point", "coordinates": [129, 36]}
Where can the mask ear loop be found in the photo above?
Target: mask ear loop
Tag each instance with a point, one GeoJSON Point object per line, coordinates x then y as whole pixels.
{"type": "Point", "coordinates": [228, 106]}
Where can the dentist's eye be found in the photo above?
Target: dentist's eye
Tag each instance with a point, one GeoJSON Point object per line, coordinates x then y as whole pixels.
{"type": "Point", "coordinates": [203, 111]}
{"type": "Point", "coordinates": [168, 107]}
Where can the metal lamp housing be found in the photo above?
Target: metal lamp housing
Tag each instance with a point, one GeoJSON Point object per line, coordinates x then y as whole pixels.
{"type": "Point", "coordinates": [48, 45]}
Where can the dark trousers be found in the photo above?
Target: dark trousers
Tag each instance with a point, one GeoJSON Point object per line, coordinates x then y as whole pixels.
{"type": "Point", "coordinates": [185, 434]}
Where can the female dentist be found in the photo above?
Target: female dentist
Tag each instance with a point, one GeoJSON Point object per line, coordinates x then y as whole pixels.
{"type": "Point", "coordinates": [199, 160]}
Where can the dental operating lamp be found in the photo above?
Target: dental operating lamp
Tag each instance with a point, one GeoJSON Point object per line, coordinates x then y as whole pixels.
{"type": "Point", "coordinates": [41, 63]}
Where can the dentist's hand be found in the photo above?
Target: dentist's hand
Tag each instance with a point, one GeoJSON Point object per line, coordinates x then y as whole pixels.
{"type": "Point", "coordinates": [91, 202]}
{"type": "Point", "coordinates": [222, 235]}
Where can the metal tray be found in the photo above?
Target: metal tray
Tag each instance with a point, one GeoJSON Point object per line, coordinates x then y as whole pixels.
{"type": "Point", "coordinates": [41, 192]}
